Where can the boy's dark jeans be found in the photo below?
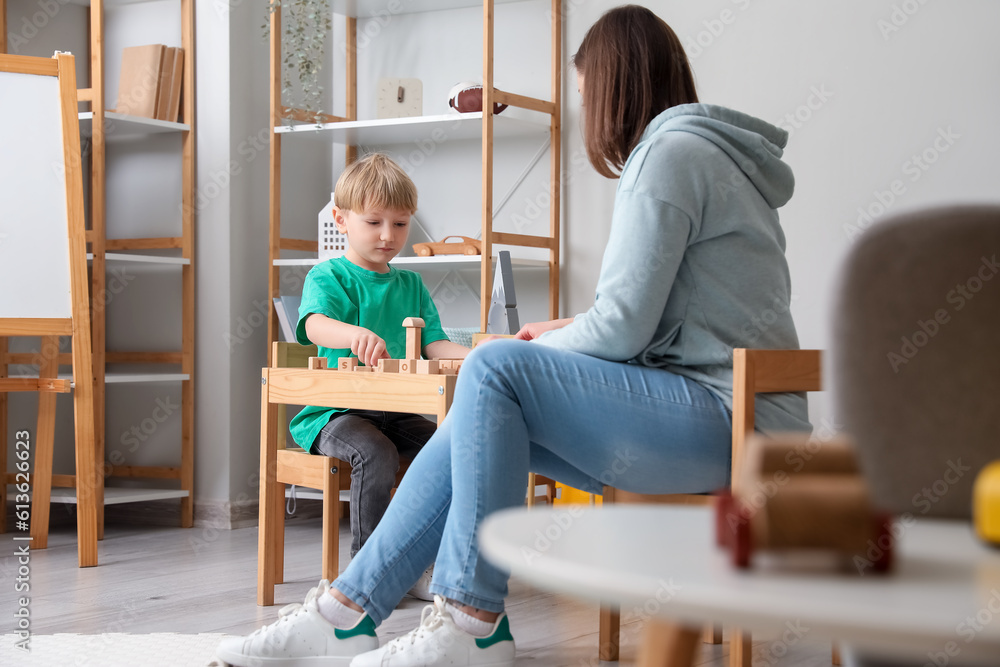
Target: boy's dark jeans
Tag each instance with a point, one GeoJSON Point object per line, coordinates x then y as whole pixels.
{"type": "Point", "coordinates": [372, 441]}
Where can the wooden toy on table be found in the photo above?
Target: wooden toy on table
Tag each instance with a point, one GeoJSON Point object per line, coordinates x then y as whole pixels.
{"type": "Point", "coordinates": [411, 364]}
{"type": "Point", "coordinates": [467, 246]}
{"type": "Point", "coordinates": [798, 494]}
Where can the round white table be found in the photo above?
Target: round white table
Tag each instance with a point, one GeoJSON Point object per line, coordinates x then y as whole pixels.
{"type": "Point", "coordinates": [940, 604]}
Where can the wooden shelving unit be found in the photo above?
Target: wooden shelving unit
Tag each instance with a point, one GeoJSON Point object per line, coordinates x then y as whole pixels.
{"type": "Point", "coordinates": [101, 127]}
{"type": "Point", "coordinates": [350, 131]}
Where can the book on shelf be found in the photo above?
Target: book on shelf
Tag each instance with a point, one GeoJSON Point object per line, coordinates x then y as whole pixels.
{"type": "Point", "coordinates": [176, 81]}
{"type": "Point", "coordinates": [150, 82]}
{"type": "Point", "coordinates": [163, 86]}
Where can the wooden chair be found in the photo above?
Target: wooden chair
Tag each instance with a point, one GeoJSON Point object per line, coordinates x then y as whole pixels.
{"type": "Point", "coordinates": [288, 382]}
{"type": "Point", "coordinates": [754, 372]}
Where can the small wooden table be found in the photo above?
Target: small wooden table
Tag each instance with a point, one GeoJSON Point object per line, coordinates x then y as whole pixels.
{"type": "Point", "coordinates": [940, 604]}
{"type": "Point", "coordinates": [392, 392]}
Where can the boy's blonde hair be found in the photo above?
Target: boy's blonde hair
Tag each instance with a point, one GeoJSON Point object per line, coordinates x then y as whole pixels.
{"type": "Point", "coordinates": [375, 181]}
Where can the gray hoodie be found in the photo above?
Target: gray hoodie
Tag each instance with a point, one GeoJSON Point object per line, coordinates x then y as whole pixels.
{"type": "Point", "coordinates": [695, 263]}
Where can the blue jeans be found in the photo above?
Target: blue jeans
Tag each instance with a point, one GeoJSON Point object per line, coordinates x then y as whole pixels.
{"type": "Point", "coordinates": [372, 441]}
{"type": "Point", "coordinates": [522, 406]}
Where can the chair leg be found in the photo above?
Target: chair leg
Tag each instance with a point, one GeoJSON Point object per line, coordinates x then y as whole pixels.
{"type": "Point", "coordinates": [531, 489]}
{"type": "Point", "coordinates": [666, 644]}
{"type": "Point", "coordinates": [740, 648]}
{"type": "Point", "coordinates": [835, 653]}
{"type": "Point", "coordinates": [712, 634]}
{"type": "Point", "coordinates": [267, 506]}
{"type": "Point", "coordinates": [609, 634]}
{"type": "Point", "coordinates": [278, 552]}
{"type": "Point", "coordinates": [331, 522]}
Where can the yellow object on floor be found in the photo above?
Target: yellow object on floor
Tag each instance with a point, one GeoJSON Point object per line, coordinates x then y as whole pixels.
{"type": "Point", "coordinates": [567, 495]}
{"type": "Point", "coordinates": [986, 503]}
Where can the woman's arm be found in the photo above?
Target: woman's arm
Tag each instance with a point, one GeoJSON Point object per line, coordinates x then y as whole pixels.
{"type": "Point", "coordinates": [445, 349]}
{"type": "Point", "coordinates": [328, 332]}
{"type": "Point", "coordinates": [644, 252]}
{"type": "Point", "coordinates": [536, 329]}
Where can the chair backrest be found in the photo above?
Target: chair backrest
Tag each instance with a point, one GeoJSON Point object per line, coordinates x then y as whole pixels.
{"type": "Point", "coordinates": [767, 372]}
{"type": "Point", "coordinates": [916, 371]}
{"type": "Point", "coordinates": [291, 355]}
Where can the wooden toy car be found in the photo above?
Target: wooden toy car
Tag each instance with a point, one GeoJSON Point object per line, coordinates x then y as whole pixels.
{"type": "Point", "coordinates": [466, 246]}
{"type": "Point", "coordinates": [797, 494]}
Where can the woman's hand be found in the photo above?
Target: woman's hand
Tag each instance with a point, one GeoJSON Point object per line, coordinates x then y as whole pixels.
{"type": "Point", "coordinates": [536, 329]}
{"type": "Point", "coordinates": [369, 347]}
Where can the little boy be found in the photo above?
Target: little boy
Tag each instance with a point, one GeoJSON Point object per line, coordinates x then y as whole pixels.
{"type": "Point", "coordinates": [355, 306]}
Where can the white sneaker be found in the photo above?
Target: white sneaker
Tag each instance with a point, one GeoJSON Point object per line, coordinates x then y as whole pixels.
{"type": "Point", "coordinates": [422, 589]}
{"type": "Point", "coordinates": [438, 641]}
{"type": "Point", "coordinates": [300, 637]}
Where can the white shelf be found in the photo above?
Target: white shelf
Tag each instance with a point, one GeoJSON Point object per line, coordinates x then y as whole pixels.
{"type": "Point", "coordinates": [417, 263]}
{"type": "Point", "coordinates": [141, 259]}
{"type": "Point", "coordinates": [115, 495]}
{"type": "Point", "coordinates": [134, 378]}
{"type": "Point", "coordinates": [370, 8]}
{"type": "Point", "coordinates": [123, 126]}
{"type": "Point", "coordinates": [126, 378]}
{"type": "Point", "coordinates": [442, 128]}
{"type": "Point", "coordinates": [314, 494]}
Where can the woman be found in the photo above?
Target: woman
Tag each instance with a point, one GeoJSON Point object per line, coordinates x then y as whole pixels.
{"type": "Point", "coordinates": [634, 392]}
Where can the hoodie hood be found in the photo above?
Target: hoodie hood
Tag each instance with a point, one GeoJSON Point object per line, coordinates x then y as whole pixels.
{"type": "Point", "coordinates": [754, 145]}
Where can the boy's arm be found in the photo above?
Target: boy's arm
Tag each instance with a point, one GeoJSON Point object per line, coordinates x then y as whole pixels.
{"type": "Point", "coordinates": [445, 349]}
{"type": "Point", "coordinates": [328, 332]}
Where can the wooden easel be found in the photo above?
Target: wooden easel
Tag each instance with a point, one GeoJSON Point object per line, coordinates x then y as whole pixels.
{"type": "Point", "coordinates": [43, 273]}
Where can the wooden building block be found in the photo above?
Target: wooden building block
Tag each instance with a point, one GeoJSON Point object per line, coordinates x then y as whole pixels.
{"type": "Point", "coordinates": [413, 326]}
{"type": "Point", "coordinates": [364, 369]}
{"type": "Point", "coordinates": [408, 365]}
{"type": "Point", "coordinates": [347, 363]}
{"type": "Point", "coordinates": [317, 363]}
{"type": "Point", "coordinates": [427, 366]}
{"type": "Point", "coordinates": [449, 366]}
{"type": "Point", "coordinates": [388, 366]}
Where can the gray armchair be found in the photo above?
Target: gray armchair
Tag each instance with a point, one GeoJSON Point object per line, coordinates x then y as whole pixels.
{"type": "Point", "coordinates": [915, 358]}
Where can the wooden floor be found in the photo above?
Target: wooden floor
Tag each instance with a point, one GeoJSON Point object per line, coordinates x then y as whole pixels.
{"type": "Point", "coordinates": [203, 580]}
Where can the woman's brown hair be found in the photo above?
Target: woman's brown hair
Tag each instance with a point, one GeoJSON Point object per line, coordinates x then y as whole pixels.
{"type": "Point", "coordinates": [633, 67]}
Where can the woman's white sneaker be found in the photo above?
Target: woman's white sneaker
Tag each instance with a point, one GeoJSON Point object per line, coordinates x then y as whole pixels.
{"type": "Point", "coordinates": [300, 637]}
{"type": "Point", "coordinates": [438, 642]}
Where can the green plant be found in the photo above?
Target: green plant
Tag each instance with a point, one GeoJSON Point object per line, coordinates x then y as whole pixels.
{"type": "Point", "coordinates": [305, 27]}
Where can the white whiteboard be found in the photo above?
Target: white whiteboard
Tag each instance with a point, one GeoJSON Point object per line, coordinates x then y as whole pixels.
{"type": "Point", "coordinates": [34, 235]}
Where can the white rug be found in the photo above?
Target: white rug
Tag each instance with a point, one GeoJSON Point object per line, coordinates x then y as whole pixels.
{"type": "Point", "coordinates": [162, 649]}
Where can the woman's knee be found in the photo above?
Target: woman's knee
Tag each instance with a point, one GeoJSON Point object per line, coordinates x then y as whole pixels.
{"type": "Point", "coordinates": [487, 359]}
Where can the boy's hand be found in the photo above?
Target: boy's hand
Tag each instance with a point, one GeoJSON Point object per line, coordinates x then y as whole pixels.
{"type": "Point", "coordinates": [369, 348]}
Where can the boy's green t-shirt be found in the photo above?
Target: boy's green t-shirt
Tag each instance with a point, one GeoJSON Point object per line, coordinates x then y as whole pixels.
{"type": "Point", "coordinates": [378, 302]}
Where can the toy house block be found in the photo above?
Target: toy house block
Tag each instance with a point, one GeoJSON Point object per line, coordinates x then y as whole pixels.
{"type": "Point", "coordinates": [449, 366]}
{"type": "Point", "coordinates": [408, 365]}
{"type": "Point", "coordinates": [413, 325]}
{"type": "Point", "coordinates": [347, 363]}
{"type": "Point", "coordinates": [388, 366]}
{"type": "Point", "coordinates": [427, 366]}
{"type": "Point", "coordinates": [317, 363]}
